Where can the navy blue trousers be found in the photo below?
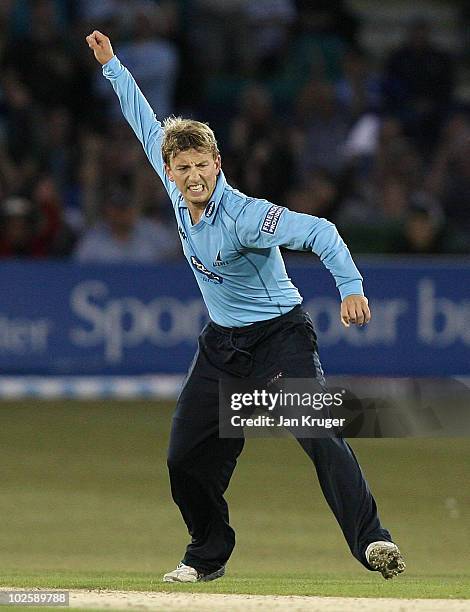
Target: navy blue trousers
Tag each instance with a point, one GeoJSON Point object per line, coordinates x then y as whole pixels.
{"type": "Point", "coordinates": [200, 463]}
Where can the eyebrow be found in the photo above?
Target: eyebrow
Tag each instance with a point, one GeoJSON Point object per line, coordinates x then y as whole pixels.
{"type": "Point", "coordinates": [183, 166]}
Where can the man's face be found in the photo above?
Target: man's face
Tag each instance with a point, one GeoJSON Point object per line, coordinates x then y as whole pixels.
{"type": "Point", "coordinates": [195, 174]}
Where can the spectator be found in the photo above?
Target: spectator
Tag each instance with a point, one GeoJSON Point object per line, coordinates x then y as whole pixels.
{"type": "Point", "coordinates": [318, 195]}
{"type": "Point", "coordinates": [323, 31]}
{"type": "Point", "coordinates": [269, 23]}
{"type": "Point", "coordinates": [449, 178]}
{"type": "Point", "coordinates": [358, 88]}
{"type": "Point", "coordinates": [423, 231]}
{"type": "Point", "coordinates": [59, 156]}
{"type": "Point", "coordinates": [418, 85]}
{"type": "Point", "coordinates": [376, 147]}
{"type": "Point", "coordinates": [17, 228]}
{"type": "Point", "coordinates": [35, 227]}
{"type": "Point", "coordinates": [122, 236]}
{"type": "Point", "coordinates": [22, 135]}
{"type": "Point", "coordinates": [396, 156]}
{"type": "Point", "coordinates": [220, 29]}
{"type": "Point", "coordinates": [151, 197]}
{"type": "Point", "coordinates": [44, 60]}
{"type": "Point", "coordinates": [261, 160]}
{"type": "Point", "coordinates": [321, 129]}
{"type": "Point", "coordinates": [329, 18]}
{"type": "Point", "coordinates": [152, 58]}
{"type": "Point", "coordinates": [52, 232]}
{"type": "Point", "coordinates": [370, 220]}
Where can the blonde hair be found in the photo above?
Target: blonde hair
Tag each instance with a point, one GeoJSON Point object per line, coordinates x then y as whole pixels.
{"type": "Point", "coordinates": [182, 134]}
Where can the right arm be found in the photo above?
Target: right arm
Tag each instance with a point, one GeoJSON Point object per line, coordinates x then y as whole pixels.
{"type": "Point", "coordinates": [135, 107]}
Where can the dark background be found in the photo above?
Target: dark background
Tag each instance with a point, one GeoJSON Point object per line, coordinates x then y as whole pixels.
{"type": "Point", "coordinates": [357, 111]}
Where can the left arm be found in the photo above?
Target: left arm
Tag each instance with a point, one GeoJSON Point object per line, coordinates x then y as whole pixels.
{"type": "Point", "coordinates": [265, 225]}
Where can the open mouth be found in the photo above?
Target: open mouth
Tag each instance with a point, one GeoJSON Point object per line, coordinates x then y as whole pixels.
{"type": "Point", "coordinates": [196, 188]}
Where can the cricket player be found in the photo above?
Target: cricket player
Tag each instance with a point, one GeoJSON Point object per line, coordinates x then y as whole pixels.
{"type": "Point", "coordinates": [257, 329]}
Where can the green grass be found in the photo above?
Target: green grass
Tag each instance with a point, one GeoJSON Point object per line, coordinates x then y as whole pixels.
{"type": "Point", "coordinates": [85, 503]}
{"type": "Point", "coordinates": [326, 585]}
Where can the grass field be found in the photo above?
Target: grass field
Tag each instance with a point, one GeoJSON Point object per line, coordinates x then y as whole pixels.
{"type": "Point", "coordinates": [85, 502]}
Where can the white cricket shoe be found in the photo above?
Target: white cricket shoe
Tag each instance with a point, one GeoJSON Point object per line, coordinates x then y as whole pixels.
{"type": "Point", "coordinates": [386, 558]}
{"type": "Point", "coordinates": [185, 573]}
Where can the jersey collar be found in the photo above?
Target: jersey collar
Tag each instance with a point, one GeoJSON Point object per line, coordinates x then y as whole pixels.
{"type": "Point", "coordinates": [211, 208]}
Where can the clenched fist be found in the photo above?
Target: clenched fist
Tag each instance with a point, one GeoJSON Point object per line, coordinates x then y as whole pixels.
{"type": "Point", "coordinates": [101, 46]}
{"type": "Point", "coordinates": [355, 310]}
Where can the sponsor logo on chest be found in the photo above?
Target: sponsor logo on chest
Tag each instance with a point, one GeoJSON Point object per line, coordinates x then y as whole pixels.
{"type": "Point", "coordinates": [201, 268]}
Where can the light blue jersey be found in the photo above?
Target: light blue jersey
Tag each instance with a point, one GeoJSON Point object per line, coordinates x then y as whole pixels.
{"type": "Point", "coordinates": [234, 249]}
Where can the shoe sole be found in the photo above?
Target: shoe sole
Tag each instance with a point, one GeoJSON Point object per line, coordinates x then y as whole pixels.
{"type": "Point", "coordinates": [202, 578]}
{"type": "Point", "coordinates": [170, 579]}
{"type": "Point", "coordinates": [217, 574]}
{"type": "Point", "coordinates": [388, 561]}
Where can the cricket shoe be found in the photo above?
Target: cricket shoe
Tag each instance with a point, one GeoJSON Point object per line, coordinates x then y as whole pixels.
{"type": "Point", "coordinates": [385, 557]}
{"type": "Point", "coordinates": [185, 573]}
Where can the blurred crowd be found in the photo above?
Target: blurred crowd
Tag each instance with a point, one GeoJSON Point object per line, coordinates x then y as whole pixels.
{"type": "Point", "coordinates": [304, 118]}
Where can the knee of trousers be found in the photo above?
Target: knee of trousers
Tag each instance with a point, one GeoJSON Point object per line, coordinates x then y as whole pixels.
{"type": "Point", "coordinates": [325, 448]}
{"type": "Point", "coordinates": [176, 463]}
{"type": "Point", "coordinates": [182, 461]}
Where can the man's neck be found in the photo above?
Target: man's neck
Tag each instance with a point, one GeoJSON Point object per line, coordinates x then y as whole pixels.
{"type": "Point", "coordinates": [196, 211]}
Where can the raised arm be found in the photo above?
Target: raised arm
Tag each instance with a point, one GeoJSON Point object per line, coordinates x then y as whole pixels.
{"type": "Point", "coordinates": [135, 107]}
{"type": "Point", "coordinates": [264, 225]}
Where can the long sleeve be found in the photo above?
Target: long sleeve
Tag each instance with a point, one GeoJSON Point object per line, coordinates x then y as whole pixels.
{"type": "Point", "coordinates": [139, 115]}
{"type": "Point", "coordinates": [263, 225]}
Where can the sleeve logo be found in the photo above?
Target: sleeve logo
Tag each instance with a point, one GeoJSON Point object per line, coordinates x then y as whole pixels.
{"type": "Point", "coordinates": [272, 219]}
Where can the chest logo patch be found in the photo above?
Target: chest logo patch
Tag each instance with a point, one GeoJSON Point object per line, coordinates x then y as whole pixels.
{"type": "Point", "coordinates": [201, 268]}
{"type": "Point", "coordinates": [272, 219]}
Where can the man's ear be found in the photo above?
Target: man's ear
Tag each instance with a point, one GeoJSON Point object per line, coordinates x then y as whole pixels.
{"type": "Point", "coordinates": [169, 173]}
{"type": "Point", "coordinates": [218, 163]}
